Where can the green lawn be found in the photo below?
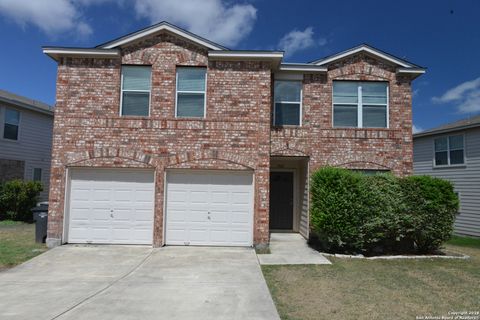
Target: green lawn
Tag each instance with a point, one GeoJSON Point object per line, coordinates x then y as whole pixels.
{"type": "Point", "coordinates": [465, 242]}
{"type": "Point", "coordinates": [378, 289]}
{"type": "Point", "coordinates": [17, 243]}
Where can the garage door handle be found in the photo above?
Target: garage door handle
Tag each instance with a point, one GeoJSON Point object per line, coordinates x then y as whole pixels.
{"type": "Point", "coordinates": [111, 215]}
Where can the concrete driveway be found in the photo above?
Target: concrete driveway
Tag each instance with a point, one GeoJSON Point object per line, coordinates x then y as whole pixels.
{"type": "Point", "coordinates": [128, 282]}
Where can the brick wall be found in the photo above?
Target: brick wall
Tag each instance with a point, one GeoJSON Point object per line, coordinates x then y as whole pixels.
{"type": "Point", "coordinates": [387, 149]}
{"type": "Point", "coordinates": [236, 133]}
{"type": "Point", "coordinates": [88, 130]}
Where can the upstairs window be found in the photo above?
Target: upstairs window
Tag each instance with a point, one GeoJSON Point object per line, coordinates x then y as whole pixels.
{"type": "Point", "coordinates": [360, 104]}
{"type": "Point", "coordinates": [449, 150]}
{"type": "Point", "coordinates": [135, 90]}
{"type": "Point", "coordinates": [288, 103]}
{"type": "Point", "coordinates": [11, 124]}
{"type": "Point", "coordinates": [191, 88]}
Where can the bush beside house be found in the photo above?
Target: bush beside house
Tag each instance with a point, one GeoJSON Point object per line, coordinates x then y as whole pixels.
{"type": "Point", "coordinates": [17, 197]}
{"type": "Point", "coordinates": [355, 213]}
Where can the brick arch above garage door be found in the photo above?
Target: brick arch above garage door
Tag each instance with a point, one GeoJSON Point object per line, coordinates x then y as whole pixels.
{"type": "Point", "coordinates": [111, 154]}
{"type": "Point", "coordinates": [223, 157]}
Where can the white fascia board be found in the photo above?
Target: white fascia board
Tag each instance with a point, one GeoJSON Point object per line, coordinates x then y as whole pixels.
{"type": "Point", "coordinates": [367, 49]}
{"type": "Point", "coordinates": [55, 53]}
{"type": "Point", "coordinates": [411, 70]}
{"type": "Point", "coordinates": [246, 55]}
{"type": "Point", "coordinates": [304, 68]}
{"type": "Point", "coordinates": [157, 29]}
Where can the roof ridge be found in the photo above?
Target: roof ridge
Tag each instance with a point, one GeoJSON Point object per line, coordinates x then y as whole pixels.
{"type": "Point", "coordinates": [16, 98]}
{"type": "Point", "coordinates": [473, 120]}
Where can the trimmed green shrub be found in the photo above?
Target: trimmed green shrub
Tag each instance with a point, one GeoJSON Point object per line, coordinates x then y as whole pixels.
{"type": "Point", "coordinates": [335, 211]}
{"type": "Point", "coordinates": [17, 197]}
{"type": "Point", "coordinates": [355, 213]}
{"type": "Point", "coordinates": [431, 207]}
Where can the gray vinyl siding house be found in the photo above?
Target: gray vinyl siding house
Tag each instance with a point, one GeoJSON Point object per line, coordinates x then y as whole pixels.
{"type": "Point", "coordinates": [25, 140]}
{"type": "Point", "coordinates": [438, 152]}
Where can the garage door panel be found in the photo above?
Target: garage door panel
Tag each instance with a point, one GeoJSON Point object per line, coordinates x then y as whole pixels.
{"type": "Point", "coordinates": [198, 197]}
{"type": "Point", "coordinates": [144, 196]}
{"type": "Point", "coordinates": [198, 235]}
{"type": "Point", "coordinates": [176, 215]}
{"type": "Point", "coordinates": [123, 215]}
{"type": "Point", "coordinates": [177, 196]}
{"type": "Point", "coordinates": [219, 216]}
{"type": "Point", "coordinates": [240, 217]}
{"type": "Point", "coordinates": [201, 208]}
{"type": "Point", "coordinates": [241, 198]}
{"type": "Point", "coordinates": [197, 216]}
{"type": "Point", "coordinates": [82, 214]}
{"type": "Point", "coordinates": [220, 197]}
{"type": "Point", "coordinates": [240, 236]}
{"type": "Point", "coordinates": [111, 206]}
{"type": "Point", "coordinates": [143, 217]}
{"type": "Point", "coordinates": [81, 195]}
{"type": "Point", "coordinates": [99, 234]}
{"type": "Point", "coordinates": [220, 235]}
{"type": "Point", "coordinates": [100, 195]}
{"type": "Point", "coordinates": [177, 235]}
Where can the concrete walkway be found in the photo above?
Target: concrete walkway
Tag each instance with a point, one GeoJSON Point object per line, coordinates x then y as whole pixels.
{"type": "Point", "coordinates": [128, 282]}
{"type": "Point", "coordinates": [290, 248]}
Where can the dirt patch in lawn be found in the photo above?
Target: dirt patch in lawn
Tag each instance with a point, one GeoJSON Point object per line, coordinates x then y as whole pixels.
{"type": "Point", "coordinates": [17, 243]}
{"type": "Point", "coordinates": [377, 289]}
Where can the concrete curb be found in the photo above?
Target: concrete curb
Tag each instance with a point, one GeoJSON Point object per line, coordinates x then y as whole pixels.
{"type": "Point", "coordinates": [396, 257]}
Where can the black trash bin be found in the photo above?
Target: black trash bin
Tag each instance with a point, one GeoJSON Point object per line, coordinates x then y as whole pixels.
{"type": "Point", "coordinates": [40, 216]}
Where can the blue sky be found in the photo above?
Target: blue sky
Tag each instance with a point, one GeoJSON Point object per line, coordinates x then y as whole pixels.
{"type": "Point", "coordinates": [441, 35]}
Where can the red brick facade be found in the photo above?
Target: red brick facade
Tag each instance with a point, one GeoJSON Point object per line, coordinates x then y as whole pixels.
{"type": "Point", "coordinates": [236, 133]}
{"type": "Point", "coordinates": [387, 149]}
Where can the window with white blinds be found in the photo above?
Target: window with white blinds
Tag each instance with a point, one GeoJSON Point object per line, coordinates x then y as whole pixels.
{"type": "Point", "coordinates": [136, 90]}
{"type": "Point", "coordinates": [288, 103]}
{"type": "Point", "coordinates": [191, 88]}
{"type": "Point", "coordinates": [360, 104]}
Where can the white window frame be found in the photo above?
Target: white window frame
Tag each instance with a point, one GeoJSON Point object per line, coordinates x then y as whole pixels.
{"type": "Point", "coordinates": [288, 102]}
{"type": "Point", "coordinates": [189, 91]}
{"type": "Point", "coordinates": [359, 105]}
{"type": "Point", "coordinates": [121, 90]}
{"type": "Point", "coordinates": [4, 113]}
{"type": "Point", "coordinates": [448, 152]}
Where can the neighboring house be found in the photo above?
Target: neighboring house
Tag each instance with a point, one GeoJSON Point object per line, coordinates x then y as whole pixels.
{"type": "Point", "coordinates": [164, 137]}
{"type": "Point", "coordinates": [25, 140]}
{"type": "Point", "coordinates": [452, 152]}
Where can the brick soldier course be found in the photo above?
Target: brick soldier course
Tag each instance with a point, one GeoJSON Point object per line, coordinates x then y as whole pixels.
{"type": "Point", "coordinates": [237, 132]}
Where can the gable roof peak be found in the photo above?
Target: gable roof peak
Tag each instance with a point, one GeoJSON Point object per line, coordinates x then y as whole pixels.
{"type": "Point", "coordinates": [364, 47]}
{"type": "Point", "coordinates": [161, 26]}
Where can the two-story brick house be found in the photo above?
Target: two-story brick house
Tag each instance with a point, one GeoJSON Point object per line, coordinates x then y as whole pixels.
{"type": "Point", "coordinates": [163, 137]}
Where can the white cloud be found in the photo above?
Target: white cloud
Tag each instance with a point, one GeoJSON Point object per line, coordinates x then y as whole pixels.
{"type": "Point", "coordinates": [53, 16]}
{"type": "Point", "coordinates": [213, 19]}
{"type": "Point", "coordinates": [466, 96]}
{"type": "Point", "coordinates": [297, 40]}
{"type": "Point", "coordinates": [416, 129]}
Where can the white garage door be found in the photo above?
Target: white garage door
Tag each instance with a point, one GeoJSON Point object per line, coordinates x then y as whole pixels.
{"type": "Point", "coordinates": [111, 206]}
{"type": "Point", "coordinates": [209, 208]}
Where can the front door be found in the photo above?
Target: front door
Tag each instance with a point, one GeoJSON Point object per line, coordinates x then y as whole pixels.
{"type": "Point", "coordinates": [281, 200]}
